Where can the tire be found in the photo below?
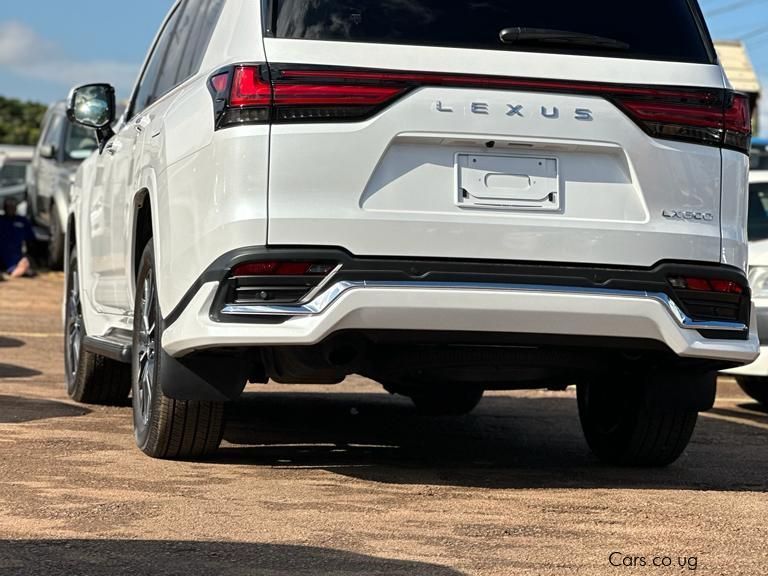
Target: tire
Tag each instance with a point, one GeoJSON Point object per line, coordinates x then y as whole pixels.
{"type": "Point", "coordinates": [56, 243]}
{"type": "Point", "coordinates": [164, 428]}
{"type": "Point", "coordinates": [448, 400]}
{"type": "Point", "coordinates": [91, 379]}
{"type": "Point", "coordinates": [756, 387]}
{"type": "Point", "coordinates": [625, 425]}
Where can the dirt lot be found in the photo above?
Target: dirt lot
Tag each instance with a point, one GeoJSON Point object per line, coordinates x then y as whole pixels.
{"type": "Point", "coordinates": [349, 480]}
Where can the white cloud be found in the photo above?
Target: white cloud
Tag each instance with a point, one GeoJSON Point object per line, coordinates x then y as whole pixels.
{"type": "Point", "coordinates": [24, 52]}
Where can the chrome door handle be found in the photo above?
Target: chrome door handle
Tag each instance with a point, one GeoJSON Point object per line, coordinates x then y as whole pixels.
{"type": "Point", "coordinates": [141, 123]}
{"type": "Point", "coordinates": [114, 147]}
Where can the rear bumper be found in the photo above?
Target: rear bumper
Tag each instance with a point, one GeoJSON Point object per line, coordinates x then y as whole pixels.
{"type": "Point", "coordinates": [575, 312]}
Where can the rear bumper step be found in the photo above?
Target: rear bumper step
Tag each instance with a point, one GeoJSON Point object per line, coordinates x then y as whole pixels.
{"type": "Point", "coordinates": [325, 300]}
{"type": "Point", "coordinates": [479, 296]}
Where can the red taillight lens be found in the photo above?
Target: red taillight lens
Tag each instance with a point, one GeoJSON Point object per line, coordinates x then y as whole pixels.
{"type": "Point", "coordinates": [332, 95]}
{"type": "Point", "coordinates": [726, 286]}
{"type": "Point", "coordinates": [276, 268]}
{"type": "Point", "coordinates": [219, 83]}
{"type": "Point", "coordinates": [707, 285]}
{"type": "Point", "coordinates": [249, 89]}
{"type": "Point", "coordinates": [288, 93]}
{"type": "Point", "coordinates": [738, 122]}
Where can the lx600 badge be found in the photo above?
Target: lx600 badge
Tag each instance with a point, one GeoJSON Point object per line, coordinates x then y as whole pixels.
{"type": "Point", "coordinates": [688, 215]}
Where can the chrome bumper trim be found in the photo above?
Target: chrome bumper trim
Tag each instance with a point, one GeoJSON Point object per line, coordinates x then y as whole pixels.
{"type": "Point", "coordinates": [321, 302]}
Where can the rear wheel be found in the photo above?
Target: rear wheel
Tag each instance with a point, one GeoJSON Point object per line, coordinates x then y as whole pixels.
{"type": "Point", "coordinates": [447, 400]}
{"type": "Point", "coordinates": [164, 427]}
{"type": "Point", "coordinates": [625, 424]}
{"type": "Point", "coordinates": [91, 379]}
{"type": "Point", "coordinates": [755, 386]}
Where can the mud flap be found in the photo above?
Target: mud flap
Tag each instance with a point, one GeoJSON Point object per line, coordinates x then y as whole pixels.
{"type": "Point", "coordinates": [677, 389]}
{"type": "Point", "coordinates": [204, 376]}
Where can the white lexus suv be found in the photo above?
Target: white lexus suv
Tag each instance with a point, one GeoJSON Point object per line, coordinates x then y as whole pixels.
{"type": "Point", "coordinates": [444, 196]}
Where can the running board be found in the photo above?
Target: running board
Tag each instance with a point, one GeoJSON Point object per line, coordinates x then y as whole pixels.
{"type": "Point", "coordinates": [114, 345]}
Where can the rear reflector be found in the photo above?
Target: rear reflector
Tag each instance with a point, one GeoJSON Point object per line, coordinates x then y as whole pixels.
{"type": "Point", "coordinates": [273, 268]}
{"type": "Point", "coordinates": [286, 93]}
{"type": "Point", "coordinates": [706, 285]}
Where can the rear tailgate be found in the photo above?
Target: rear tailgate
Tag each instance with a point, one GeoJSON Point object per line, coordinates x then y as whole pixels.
{"type": "Point", "coordinates": [464, 165]}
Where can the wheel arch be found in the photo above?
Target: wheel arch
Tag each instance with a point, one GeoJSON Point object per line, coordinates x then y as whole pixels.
{"type": "Point", "coordinates": [143, 228]}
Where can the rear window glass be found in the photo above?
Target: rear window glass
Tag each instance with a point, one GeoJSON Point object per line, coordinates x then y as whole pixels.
{"type": "Point", "coordinates": [757, 227]}
{"type": "Point", "coordinates": [654, 29]}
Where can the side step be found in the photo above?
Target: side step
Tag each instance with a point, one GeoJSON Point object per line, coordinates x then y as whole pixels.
{"type": "Point", "coordinates": [115, 345]}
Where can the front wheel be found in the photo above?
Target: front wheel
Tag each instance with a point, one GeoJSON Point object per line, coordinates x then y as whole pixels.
{"type": "Point", "coordinates": [625, 421]}
{"type": "Point", "coordinates": [755, 386]}
{"type": "Point", "coordinates": [91, 379]}
{"type": "Point", "coordinates": [164, 427]}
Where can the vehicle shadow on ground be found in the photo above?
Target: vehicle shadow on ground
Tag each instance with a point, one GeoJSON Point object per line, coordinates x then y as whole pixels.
{"type": "Point", "coordinates": [15, 410]}
{"type": "Point", "coordinates": [507, 442]}
{"type": "Point", "coordinates": [754, 412]}
{"type": "Point", "coordinates": [10, 342]}
{"type": "Point", "coordinates": [12, 371]}
{"type": "Point", "coordinates": [130, 557]}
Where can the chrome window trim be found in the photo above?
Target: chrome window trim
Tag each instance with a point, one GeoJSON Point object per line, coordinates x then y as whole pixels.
{"type": "Point", "coordinates": [321, 302]}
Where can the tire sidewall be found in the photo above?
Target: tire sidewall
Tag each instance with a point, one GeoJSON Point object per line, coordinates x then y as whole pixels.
{"type": "Point", "coordinates": [73, 376]}
{"type": "Point", "coordinates": [143, 431]}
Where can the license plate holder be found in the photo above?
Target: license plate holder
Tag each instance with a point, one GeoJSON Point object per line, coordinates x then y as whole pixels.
{"type": "Point", "coordinates": [497, 181]}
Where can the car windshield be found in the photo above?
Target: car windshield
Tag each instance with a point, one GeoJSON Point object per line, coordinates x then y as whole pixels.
{"type": "Point", "coordinates": [758, 211]}
{"type": "Point", "coordinates": [81, 142]}
{"type": "Point", "coordinates": [12, 174]}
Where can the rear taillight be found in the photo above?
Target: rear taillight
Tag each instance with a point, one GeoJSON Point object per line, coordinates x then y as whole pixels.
{"type": "Point", "coordinates": [738, 122]}
{"type": "Point", "coordinates": [253, 96]}
{"type": "Point", "coordinates": [285, 93]}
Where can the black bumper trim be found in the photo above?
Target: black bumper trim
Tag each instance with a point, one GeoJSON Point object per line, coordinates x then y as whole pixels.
{"type": "Point", "coordinates": [356, 268]}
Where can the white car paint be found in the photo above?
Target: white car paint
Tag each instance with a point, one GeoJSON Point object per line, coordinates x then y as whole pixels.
{"type": "Point", "coordinates": [386, 187]}
{"type": "Point", "coordinates": [758, 257]}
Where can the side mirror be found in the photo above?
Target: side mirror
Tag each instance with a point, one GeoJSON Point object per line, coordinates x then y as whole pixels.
{"type": "Point", "coordinates": [48, 151]}
{"type": "Point", "coordinates": [93, 106]}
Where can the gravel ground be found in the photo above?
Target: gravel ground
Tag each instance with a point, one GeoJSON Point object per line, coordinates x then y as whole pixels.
{"type": "Point", "coordinates": [349, 480]}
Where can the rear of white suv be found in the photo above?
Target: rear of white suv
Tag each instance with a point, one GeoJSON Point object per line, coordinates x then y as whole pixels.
{"type": "Point", "coordinates": [445, 197]}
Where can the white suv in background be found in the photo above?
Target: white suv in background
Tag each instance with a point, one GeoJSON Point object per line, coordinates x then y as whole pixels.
{"type": "Point", "coordinates": [446, 197]}
{"type": "Point", "coordinates": [754, 377]}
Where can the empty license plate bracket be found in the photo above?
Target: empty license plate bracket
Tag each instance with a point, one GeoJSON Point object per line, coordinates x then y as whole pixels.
{"type": "Point", "coordinates": [510, 182]}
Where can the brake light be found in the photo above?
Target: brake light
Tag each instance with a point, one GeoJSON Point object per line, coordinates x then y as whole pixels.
{"type": "Point", "coordinates": [738, 122]}
{"type": "Point", "coordinates": [249, 88]}
{"type": "Point", "coordinates": [285, 93]}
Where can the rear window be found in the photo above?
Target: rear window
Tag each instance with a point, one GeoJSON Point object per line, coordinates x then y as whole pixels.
{"type": "Point", "coordinates": [757, 227]}
{"type": "Point", "coordinates": [652, 29]}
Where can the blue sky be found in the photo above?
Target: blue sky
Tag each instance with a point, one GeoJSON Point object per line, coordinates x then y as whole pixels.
{"type": "Point", "coordinates": [48, 45]}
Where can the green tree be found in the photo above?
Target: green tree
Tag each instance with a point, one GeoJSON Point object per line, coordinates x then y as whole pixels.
{"type": "Point", "coordinates": [20, 121]}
